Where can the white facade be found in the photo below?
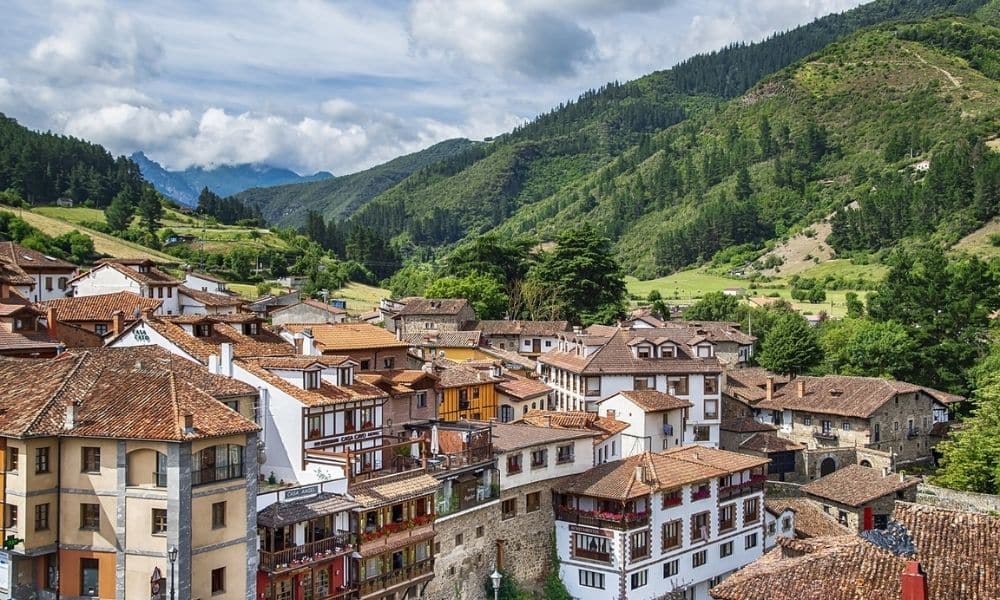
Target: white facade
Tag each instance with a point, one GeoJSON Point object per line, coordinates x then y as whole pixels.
{"type": "Point", "coordinates": [695, 565]}
{"type": "Point", "coordinates": [104, 279]}
{"type": "Point", "coordinates": [648, 431]}
{"type": "Point", "coordinates": [778, 525]}
{"type": "Point", "coordinates": [582, 460]}
{"type": "Point", "coordinates": [48, 286]}
{"type": "Point", "coordinates": [205, 284]}
{"type": "Point", "coordinates": [192, 306]}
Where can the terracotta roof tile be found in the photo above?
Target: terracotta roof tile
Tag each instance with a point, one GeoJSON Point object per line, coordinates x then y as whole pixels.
{"type": "Point", "coordinates": [265, 343]}
{"type": "Point", "coordinates": [433, 306]}
{"type": "Point", "coordinates": [100, 307]}
{"type": "Point", "coordinates": [23, 342]}
{"type": "Point", "coordinates": [855, 485]}
{"type": "Point", "coordinates": [12, 252]}
{"type": "Point", "coordinates": [745, 425]}
{"type": "Point", "coordinates": [394, 488]}
{"type": "Point", "coordinates": [444, 339]}
{"type": "Point", "coordinates": [839, 395]}
{"type": "Point", "coordinates": [654, 401]}
{"type": "Point", "coordinates": [344, 337]}
{"type": "Point", "coordinates": [281, 514]}
{"type": "Point", "coordinates": [767, 442]}
{"type": "Point", "coordinates": [516, 327]}
{"type": "Point", "coordinates": [522, 387]}
{"type": "Point", "coordinates": [810, 519]}
{"type": "Point", "coordinates": [615, 357]}
{"type": "Point", "coordinates": [604, 426]}
{"type": "Point", "coordinates": [327, 394]}
{"type": "Point", "coordinates": [210, 298]}
{"type": "Point", "coordinates": [314, 304]}
{"type": "Point", "coordinates": [455, 374]}
{"type": "Point", "coordinates": [508, 437]}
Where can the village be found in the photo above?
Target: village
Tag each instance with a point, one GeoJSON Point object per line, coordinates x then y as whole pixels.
{"type": "Point", "coordinates": [165, 438]}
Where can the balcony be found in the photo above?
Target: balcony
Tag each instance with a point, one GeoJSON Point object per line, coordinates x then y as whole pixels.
{"type": "Point", "coordinates": [306, 554]}
{"type": "Point", "coordinates": [414, 527]}
{"type": "Point", "coordinates": [826, 435]}
{"type": "Point", "coordinates": [595, 518]}
{"type": "Point", "coordinates": [671, 501]}
{"type": "Point", "coordinates": [754, 485]}
{"type": "Point", "coordinates": [406, 575]}
{"type": "Point", "coordinates": [214, 474]}
{"type": "Point", "coordinates": [453, 504]}
{"type": "Point", "coordinates": [604, 557]}
{"type": "Point", "coordinates": [700, 494]}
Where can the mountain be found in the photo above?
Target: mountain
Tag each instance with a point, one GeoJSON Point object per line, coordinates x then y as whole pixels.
{"type": "Point", "coordinates": [655, 162]}
{"type": "Point", "coordinates": [226, 180]}
{"type": "Point", "coordinates": [339, 197]}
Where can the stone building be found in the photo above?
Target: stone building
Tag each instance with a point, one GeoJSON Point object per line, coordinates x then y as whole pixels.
{"type": "Point", "coordinates": [861, 498]}
{"type": "Point", "coordinates": [308, 312]}
{"type": "Point", "coordinates": [421, 315]}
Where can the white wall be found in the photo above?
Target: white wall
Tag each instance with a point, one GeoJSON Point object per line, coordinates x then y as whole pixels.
{"type": "Point", "coordinates": [583, 460]}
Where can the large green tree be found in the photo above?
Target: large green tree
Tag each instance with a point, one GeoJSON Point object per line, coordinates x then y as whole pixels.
{"type": "Point", "coordinates": [714, 306]}
{"type": "Point", "coordinates": [119, 213]}
{"type": "Point", "coordinates": [150, 209]}
{"type": "Point", "coordinates": [506, 259]}
{"type": "Point", "coordinates": [867, 348]}
{"type": "Point", "coordinates": [483, 291]}
{"type": "Point", "coordinates": [583, 277]}
{"type": "Point", "coordinates": [791, 346]}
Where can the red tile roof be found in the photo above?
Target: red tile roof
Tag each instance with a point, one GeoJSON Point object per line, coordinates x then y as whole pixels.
{"type": "Point", "coordinates": [855, 485]}
{"type": "Point", "coordinates": [26, 258]}
{"type": "Point", "coordinates": [341, 338]}
{"type": "Point", "coordinates": [209, 298]}
{"type": "Point", "coordinates": [433, 306]}
{"type": "Point", "coordinates": [265, 343]}
{"type": "Point", "coordinates": [654, 401]}
{"type": "Point", "coordinates": [522, 387]}
{"type": "Point", "coordinates": [615, 357]}
{"type": "Point", "coordinates": [810, 518]}
{"type": "Point", "coordinates": [839, 395]}
{"type": "Point", "coordinates": [314, 304]}
{"type": "Point", "coordinates": [100, 307]}
{"type": "Point", "coordinates": [327, 394]}
{"type": "Point", "coordinates": [605, 426]}
{"type": "Point", "coordinates": [767, 442]}
{"type": "Point", "coordinates": [516, 327]}
{"type": "Point", "coordinates": [745, 425]}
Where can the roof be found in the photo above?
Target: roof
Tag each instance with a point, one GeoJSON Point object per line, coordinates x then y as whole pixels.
{"type": "Point", "coordinates": [394, 488]}
{"type": "Point", "coordinates": [327, 394]}
{"type": "Point", "coordinates": [516, 327]}
{"type": "Point", "coordinates": [123, 393]}
{"type": "Point", "coordinates": [281, 514]}
{"type": "Point", "coordinates": [344, 337]}
{"type": "Point", "coordinates": [664, 470]}
{"type": "Point", "coordinates": [100, 307]}
{"type": "Point", "coordinates": [26, 258]}
{"type": "Point", "coordinates": [445, 339]}
{"type": "Point", "coordinates": [152, 276]}
{"type": "Point", "coordinates": [767, 442]}
{"type": "Point", "coordinates": [302, 362]}
{"type": "Point", "coordinates": [313, 304]}
{"type": "Point", "coordinates": [838, 395]}
{"type": "Point", "coordinates": [577, 419]}
{"type": "Point", "coordinates": [25, 341]}
{"type": "Point", "coordinates": [958, 551]}
{"type": "Point", "coordinates": [455, 374]}
{"type": "Point", "coordinates": [654, 401]}
{"type": "Point", "coordinates": [745, 425]}
{"type": "Point", "coordinates": [508, 437]}
{"type": "Point", "coordinates": [522, 387]}
{"type": "Point", "coordinates": [397, 381]}
{"type": "Point", "coordinates": [855, 485]}
{"type": "Point", "coordinates": [210, 298]}
{"type": "Point", "coordinates": [206, 276]}
{"type": "Point", "coordinates": [616, 357]}
{"type": "Point", "coordinates": [264, 343]}
{"type": "Point", "coordinates": [509, 357]}
{"type": "Point", "coordinates": [810, 519]}
{"type": "Point", "coordinates": [433, 306]}
{"type": "Point", "coordinates": [750, 384]}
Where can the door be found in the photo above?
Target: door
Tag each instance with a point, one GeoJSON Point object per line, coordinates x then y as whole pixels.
{"type": "Point", "coordinates": [827, 466]}
{"type": "Point", "coordinates": [536, 346]}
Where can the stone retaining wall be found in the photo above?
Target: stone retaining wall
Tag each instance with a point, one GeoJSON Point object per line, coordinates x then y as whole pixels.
{"type": "Point", "coordinates": [956, 500]}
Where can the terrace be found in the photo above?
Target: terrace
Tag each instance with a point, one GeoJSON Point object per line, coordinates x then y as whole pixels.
{"type": "Point", "coordinates": [595, 512]}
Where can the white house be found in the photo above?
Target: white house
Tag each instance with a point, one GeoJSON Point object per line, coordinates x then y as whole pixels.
{"type": "Point", "coordinates": [656, 419]}
{"type": "Point", "coordinates": [36, 276]}
{"type": "Point", "coordinates": [197, 302]}
{"type": "Point", "coordinates": [139, 276]}
{"type": "Point", "coordinates": [779, 521]}
{"type": "Point", "coordinates": [591, 367]}
{"type": "Point", "coordinates": [608, 431]}
{"type": "Point", "coordinates": [206, 283]}
{"type": "Point", "coordinates": [677, 520]}
{"type": "Point", "coordinates": [529, 454]}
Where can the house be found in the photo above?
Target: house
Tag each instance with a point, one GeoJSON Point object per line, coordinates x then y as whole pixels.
{"type": "Point", "coordinates": [452, 345]}
{"type": "Point", "coordinates": [734, 291]}
{"type": "Point", "coordinates": [308, 312]}
{"type": "Point", "coordinates": [38, 276]}
{"type": "Point", "coordinates": [204, 282]}
{"type": "Point", "coordinates": [97, 313]}
{"type": "Point", "coordinates": [883, 422]}
{"type": "Point", "coordinates": [678, 520]}
{"type": "Point", "coordinates": [139, 276]}
{"type": "Point", "coordinates": [655, 419]}
{"type": "Point", "coordinates": [607, 431]}
{"type": "Point", "coordinates": [267, 303]}
{"type": "Point", "coordinates": [517, 395]}
{"type": "Point", "coordinates": [372, 347]}
{"type": "Point", "coordinates": [22, 333]}
{"type": "Point", "coordinates": [744, 388]}
{"type": "Point", "coordinates": [861, 498]}
{"type": "Point", "coordinates": [64, 202]}
{"type": "Point", "coordinates": [940, 555]}
{"type": "Point", "coordinates": [197, 302]}
{"type": "Point", "coordinates": [590, 367]}
{"type": "Point", "coordinates": [97, 440]}
{"type": "Point", "coordinates": [779, 521]}
{"type": "Point", "coordinates": [420, 315]}
{"type": "Point", "coordinates": [529, 338]}
{"type": "Point", "coordinates": [468, 391]}
{"type": "Point", "coordinates": [811, 521]}
{"type": "Point", "coordinates": [785, 456]}
{"type": "Point", "coordinates": [413, 395]}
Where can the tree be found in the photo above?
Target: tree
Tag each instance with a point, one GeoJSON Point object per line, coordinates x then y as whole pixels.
{"type": "Point", "coordinates": [506, 259]}
{"type": "Point", "coordinates": [657, 306]}
{"type": "Point", "coordinates": [119, 213]}
{"type": "Point", "coordinates": [855, 308]}
{"type": "Point", "coordinates": [714, 306]}
{"type": "Point", "coordinates": [791, 346]}
{"type": "Point", "coordinates": [482, 291]}
{"type": "Point", "coordinates": [744, 189]}
{"type": "Point", "coordinates": [583, 277]}
{"type": "Point", "coordinates": [150, 209]}
{"type": "Point", "coordinates": [240, 262]}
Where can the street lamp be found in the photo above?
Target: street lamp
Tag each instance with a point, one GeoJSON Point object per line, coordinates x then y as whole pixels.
{"type": "Point", "coordinates": [496, 577]}
{"type": "Point", "coordinates": [172, 556]}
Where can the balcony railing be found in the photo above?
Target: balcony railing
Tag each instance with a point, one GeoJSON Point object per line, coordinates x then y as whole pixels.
{"type": "Point", "coordinates": [306, 554]}
{"type": "Point", "coordinates": [484, 494]}
{"type": "Point", "coordinates": [596, 518]}
{"type": "Point", "coordinates": [755, 484]}
{"type": "Point", "coordinates": [670, 501]}
{"type": "Point", "coordinates": [213, 474]}
{"type": "Point", "coordinates": [825, 434]}
{"type": "Point", "coordinates": [700, 494]}
{"type": "Point", "coordinates": [585, 554]}
{"type": "Point", "coordinates": [414, 526]}
{"type": "Point", "coordinates": [397, 577]}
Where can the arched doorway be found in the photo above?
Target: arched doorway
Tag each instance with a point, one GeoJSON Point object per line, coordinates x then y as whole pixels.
{"type": "Point", "coordinates": [865, 463]}
{"type": "Point", "coordinates": [827, 466]}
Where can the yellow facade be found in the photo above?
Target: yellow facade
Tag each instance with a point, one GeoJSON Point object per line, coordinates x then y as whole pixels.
{"type": "Point", "coordinates": [476, 402]}
{"type": "Point", "coordinates": [463, 354]}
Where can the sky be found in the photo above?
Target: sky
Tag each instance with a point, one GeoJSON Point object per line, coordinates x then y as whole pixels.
{"type": "Point", "coordinates": [339, 85]}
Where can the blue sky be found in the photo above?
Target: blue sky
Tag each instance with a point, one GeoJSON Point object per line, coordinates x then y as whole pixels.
{"type": "Point", "coordinates": [339, 85]}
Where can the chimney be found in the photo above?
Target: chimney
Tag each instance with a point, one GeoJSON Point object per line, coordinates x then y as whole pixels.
{"type": "Point", "coordinates": [914, 582]}
{"type": "Point", "coordinates": [885, 471]}
{"type": "Point", "coordinates": [770, 388]}
{"type": "Point", "coordinates": [226, 359]}
{"type": "Point", "coordinates": [639, 474]}
{"type": "Point", "coordinates": [147, 313]}
{"type": "Point", "coordinates": [800, 384]}
{"type": "Point", "coordinates": [308, 342]}
{"type": "Point", "coordinates": [611, 413]}
{"type": "Point", "coordinates": [69, 419]}
{"type": "Point", "coordinates": [50, 321]}
{"type": "Point", "coordinates": [213, 364]}
{"type": "Point", "coordinates": [188, 423]}
{"type": "Point", "coordinates": [117, 322]}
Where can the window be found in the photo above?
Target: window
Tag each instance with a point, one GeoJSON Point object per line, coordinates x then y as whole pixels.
{"type": "Point", "coordinates": [508, 509]}
{"type": "Point", "coordinates": [846, 426]}
{"type": "Point", "coordinates": [217, 463]}
{"type": "Point", "coordinates": [786, 524]}
{"type": "Point", "coordinates": [100, 328]}
{"type": "Point", "coordinates": [670, 568]}
{"type": "Point", "coordinates": [702, 433]}
{"type": "Point", "coordinates": [532, 501]}
{"type": "Point", "coordinates": [218, 515]}
{"type": "Point", "coordinates": [480, 531]}
{"type": "Point", "coordinates": [159, 292]}
{"type": "Point", "coordinates": [365, 365]}
{"type": "Point", "coordinates": [827, 426]}
{"type": "Point", "coordinates": [727, 517]}
{"type": "Point", "coordinates": [771, 528]}
{"type": "Point", "coordinates": [711, 384]}
{"type": "Point", "coordinates": [640, 545]}
{"type": "Point", "coordinates": [463, 399]}
{"type": "Point", "coordinates": [564, 454]}
{"type": "Point", "coordinates": [9, 516]}
{"type": "Point", "coordinates": [668, 351]}
{"type": "Point", "coordinates": [513, 464]}
{"type": "Point", "coordinates": [807, 420]}
{"type": "Point", "coordinates": [678, 386]}
{"type": "Point", "coordinates": [506, 413]}
{"type": "Point", "coordinates": [62, 283]}
{"type": "Point", "coordinates": [548, 343]}
{"type": "Point", "coordinates": [842, 517]}
{"type": "Point", "coordinates": [751, 541]}
{"type": "Point", "coordinates": [591, 579]}
{"type": "Point", "coordinates": [881, 521]}
{"type": "Point", "coordinates": [170, 292]}
{"type": "Point", "coordinates": [91, 459]}
{"type": "Point", "coordinates": [643, 383]}
{"type": "Point", "coordinates": [42, 517]}
{"type": "Point", "coordinates": [11, 462]}
{"type": "Point", "coordinates": [310, 379]}
{"type": "Point", "coordinates": [591, 547]}
{"type": "Point", "coordinates": [90, 517]}
{"type": "Point", "coordinates": [314, 427]}
{"type": "Point", "coordinates": [711, 408]}
{"type": "Point", "coordinates": [671, 536]}
{"type": "Point", "coordinates": [672, 498]}
{"type": "Point", "coordinates": [698, 559]}
{"type": "Point", "coordinates": [539, 458]}
{"type": "Point", "coordinates": [203, 330]}
{"type": "Point", "coordinates": [701, 492]}
{"type": "Point", "coordinates": [726, 550]}
{"type": "Point", "coordinates": [895, 425]}
{"type": "Point", "coordinates": [699, 526]}
{"type": "Point", "coordinates": [219, 580]}
{"type": "Point", "coordinates": [48, 284]}
{"type": "Point", "coordinates": [421, 398]}
{"type": "Point", "coordinates": [593, 386]}
{"type": "Point", "coordinates": [389, 363]}
{"type": "Point", "coordinates": [90, 569]}
{"type": "Point", "coordinates": [475, 393]}
{"type": "Point", "coordinates": [159, 521]}
{"type": "Point", "coordinates": [459, 540]}
{"type": "Point", "coordinates": [639, 579]}
{"type": "Point", "coordinates": [751, 510]}
{"type": "Point", "coordinates": [642, 351]}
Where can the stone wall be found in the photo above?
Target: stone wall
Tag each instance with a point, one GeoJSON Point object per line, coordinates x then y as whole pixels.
{"type": "Point", "coordinates": [460, 570]}
{"type": "Point", "coordinates": [893, 420]}
{"type": "Point", "coordinates": [956, 500]}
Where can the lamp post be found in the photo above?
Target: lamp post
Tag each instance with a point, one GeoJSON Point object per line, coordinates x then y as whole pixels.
{"type": "Point", "coordinates": [496, 577]}
{"type": "Point", "coordinates": [172, 556]}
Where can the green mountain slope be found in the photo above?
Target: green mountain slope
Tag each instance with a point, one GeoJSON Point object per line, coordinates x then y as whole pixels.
{"type": "Point", "coordinates": [339, 197]}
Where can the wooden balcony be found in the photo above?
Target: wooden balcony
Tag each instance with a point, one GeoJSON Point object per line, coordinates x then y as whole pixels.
{"type": "Point", "coordinates": [621, 521]}
{"type": "Point", "coordinates": [410, 575]}
{"type": "Point", "coordinates": [306, 554]}
{"type": "Point", "coordinates": [392, 534]}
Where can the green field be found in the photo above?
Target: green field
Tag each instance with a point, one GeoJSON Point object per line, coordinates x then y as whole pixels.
{"type": "Point", "coordinates": [360, 297]}
{"type": "Point", "coordinates": [103, 243]}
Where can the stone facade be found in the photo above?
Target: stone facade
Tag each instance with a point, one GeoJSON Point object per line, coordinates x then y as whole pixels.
{"type": "Point", "coordinates": [412, 323]}
{"type": "Point", "coordinates": [853, 516]}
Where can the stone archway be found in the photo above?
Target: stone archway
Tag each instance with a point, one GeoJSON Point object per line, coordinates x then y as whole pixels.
{"type": "Point", "coordinates": [826, 466]}
{"type": "Point", "coordinates": [866, 463]}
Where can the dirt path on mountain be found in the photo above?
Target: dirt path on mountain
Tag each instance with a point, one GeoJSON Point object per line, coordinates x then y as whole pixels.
{"type": "Point", "coordinates": [954, 80]}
